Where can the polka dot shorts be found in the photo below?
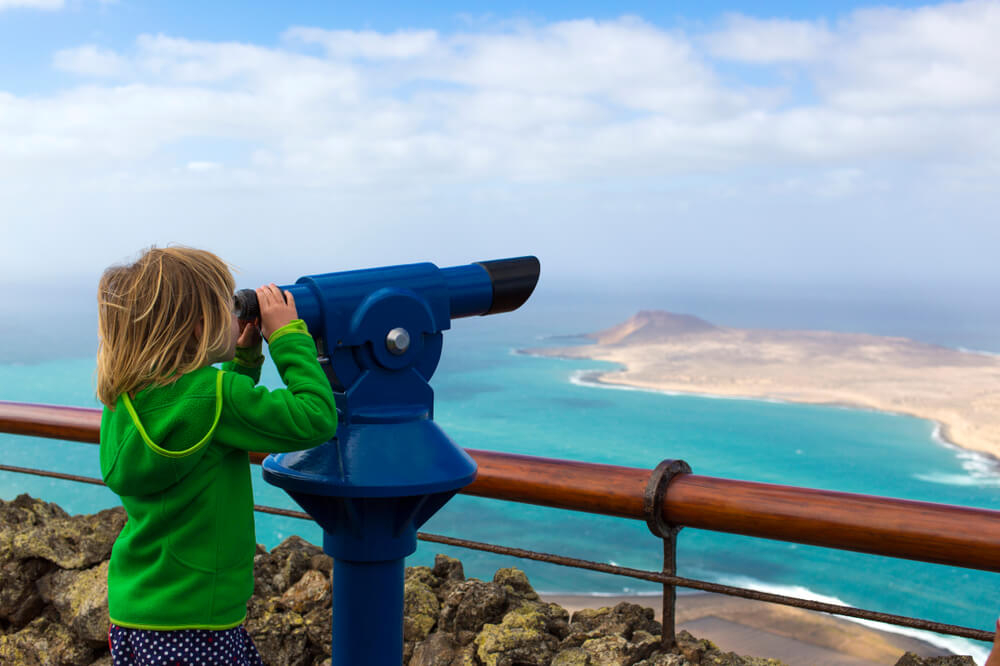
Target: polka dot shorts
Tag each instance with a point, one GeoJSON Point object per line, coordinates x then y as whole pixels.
{"type": "Point", "coordinates": [184, 647]}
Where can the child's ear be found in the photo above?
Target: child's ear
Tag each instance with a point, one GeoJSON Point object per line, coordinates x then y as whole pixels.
{"type": "Point", "coordinates": [199, 328]}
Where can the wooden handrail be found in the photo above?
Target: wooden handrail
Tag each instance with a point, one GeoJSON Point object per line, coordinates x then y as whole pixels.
{"type": "Point", "coordinates": [79, 424]}
{"type": "Point", "coordinates": [940, 533]}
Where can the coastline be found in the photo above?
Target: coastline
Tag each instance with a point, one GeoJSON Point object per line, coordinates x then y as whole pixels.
{"type": "Point", "coordinates": [940, 433]}
{"type": "Point", "coordinates": [964, 415]}
{"type": "Point", "coordinates": [795, 636]}
{"type": "Point", "coordinates": [596, 378]}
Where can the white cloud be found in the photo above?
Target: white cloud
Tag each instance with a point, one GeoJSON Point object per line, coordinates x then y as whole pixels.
{"type": "Point", "coordinates": [764, 41]}
{"type": "Point", "coordinates": [934, 57]}
{"type": "Point", "coordinates": [366, 43]}
{"type": "Point", "coordinates": [548, 102]}
{"type": "Point", "coordinates": [32, 4]}
{"type": "Point", "coordinates": [603, 116]}
{"type": "Point", "coordinates": [90, 60]}
{"type": "Point", "coordinates": [203, 166]}
{"type": "Point", "coordinates": [875, 60]}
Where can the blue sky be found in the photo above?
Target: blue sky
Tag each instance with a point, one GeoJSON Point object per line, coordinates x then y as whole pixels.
{"type": "Point", "coordinates": [29, 35]}
{"type": "Point", "coordinates": [821, 142]}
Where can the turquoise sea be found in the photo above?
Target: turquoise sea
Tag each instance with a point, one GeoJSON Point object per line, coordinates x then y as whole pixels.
{"type": "Point", "coordinates": [489, 397]}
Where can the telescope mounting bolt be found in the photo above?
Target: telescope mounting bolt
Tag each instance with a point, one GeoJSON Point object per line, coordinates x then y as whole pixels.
{"type": "Point", "coordinates": [397, 341]}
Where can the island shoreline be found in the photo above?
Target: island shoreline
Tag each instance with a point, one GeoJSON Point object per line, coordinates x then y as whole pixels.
{"type": "Point", "coordinates": [941, 432]}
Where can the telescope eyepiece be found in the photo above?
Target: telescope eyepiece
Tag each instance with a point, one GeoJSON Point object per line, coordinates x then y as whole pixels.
{"type": "Point", "coordinates": [245, 305]}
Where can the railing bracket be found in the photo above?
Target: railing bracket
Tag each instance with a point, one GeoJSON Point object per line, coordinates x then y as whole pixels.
{"type": "Point", "coordinates": [652, 504]}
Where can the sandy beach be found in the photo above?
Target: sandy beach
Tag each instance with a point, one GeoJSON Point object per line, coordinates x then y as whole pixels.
{"type": "Point", "coordinates": [795, 636]}
{"type": "Point", "coordinates": [959, 390]}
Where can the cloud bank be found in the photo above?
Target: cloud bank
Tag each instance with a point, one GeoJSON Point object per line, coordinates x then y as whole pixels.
{"type": "Point", "coordinates": [788, 141]}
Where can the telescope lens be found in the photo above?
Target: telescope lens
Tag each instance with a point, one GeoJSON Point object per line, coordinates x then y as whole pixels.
{"type": "Point", "coordinates": [513, 281]}
{"type": "Point", "coordinates": [246, 307]}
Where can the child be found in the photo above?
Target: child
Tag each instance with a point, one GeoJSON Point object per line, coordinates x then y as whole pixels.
{"type": "Point", "coordinates": [174, 440]}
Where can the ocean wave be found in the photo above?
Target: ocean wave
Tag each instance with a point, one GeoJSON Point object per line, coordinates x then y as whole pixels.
{"type": "Point", "coordinates": [962, 480]}
{"type": "Point", "coordinates": [981, 469]}
{"type": "Point", "coordinates": [978, 351]}
{"type": "Point", "coordinates": [937, 434]}
{"type": "Point", "coordinates": [953, 644]}
{"type": "Point", "coordinates": [624, 592]}
{"type": "Point", "coordinates": [592, 379]}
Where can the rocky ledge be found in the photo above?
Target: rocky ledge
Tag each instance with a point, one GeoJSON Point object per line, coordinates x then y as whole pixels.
{"type": "Point", "coordinates": [54, 608]}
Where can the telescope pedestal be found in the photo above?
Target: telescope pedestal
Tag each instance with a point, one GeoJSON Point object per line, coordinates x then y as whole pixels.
{"type": "Point", "coordinates": [367, 613]}
{"type": "Point", "coordinates": [370, 489]}
{"type": "Point", "coordinates": [390, 468]}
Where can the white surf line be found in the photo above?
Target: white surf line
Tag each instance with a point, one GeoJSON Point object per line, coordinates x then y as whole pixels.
{"type": "Point", "coordinates": [982, 469]}
{"type": "Point", "coordinates": [583, 378]}
{"type": "Point", "coordinates": [953, 644]}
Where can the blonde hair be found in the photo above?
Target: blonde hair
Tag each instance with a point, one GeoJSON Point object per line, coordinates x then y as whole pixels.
{"type": "Point", "coordinates": [147, 313]}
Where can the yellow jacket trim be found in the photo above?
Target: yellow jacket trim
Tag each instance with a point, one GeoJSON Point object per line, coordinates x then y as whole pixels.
{"type": "Point", "coordinates": [186, 452]}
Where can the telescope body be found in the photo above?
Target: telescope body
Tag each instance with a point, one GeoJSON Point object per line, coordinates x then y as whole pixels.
{"type": "Point", "coordinates": [390, 467]}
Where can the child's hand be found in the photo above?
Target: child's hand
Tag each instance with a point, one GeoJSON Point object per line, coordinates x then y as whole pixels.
{"type": "Point", "coordinates": [249, 334]}
{"type": "Point", "coordinates": [275, 310]}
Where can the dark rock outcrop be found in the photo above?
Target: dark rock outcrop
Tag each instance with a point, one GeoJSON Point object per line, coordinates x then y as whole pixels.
{"type": "Point", "coordinates": [81, 598]}
{"type": "Point", "coordinates": [910, 659]}
{"type": "Point", "coordinates": [53, 608]}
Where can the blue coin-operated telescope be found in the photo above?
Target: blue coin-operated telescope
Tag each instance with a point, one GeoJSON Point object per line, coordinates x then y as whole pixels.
{"type": "Point", "coordinates": [390, 468]}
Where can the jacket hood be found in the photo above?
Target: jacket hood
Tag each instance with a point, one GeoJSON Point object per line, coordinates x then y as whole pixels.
{"type": "Point", "coordinates": [154, 440]}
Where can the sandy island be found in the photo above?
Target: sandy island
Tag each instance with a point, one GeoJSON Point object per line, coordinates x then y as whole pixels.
{"type": "Point", "coordinates": [959, 390]}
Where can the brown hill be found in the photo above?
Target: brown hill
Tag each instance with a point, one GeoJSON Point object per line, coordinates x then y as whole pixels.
{"type": "Point", "coordinates": [651, 326]}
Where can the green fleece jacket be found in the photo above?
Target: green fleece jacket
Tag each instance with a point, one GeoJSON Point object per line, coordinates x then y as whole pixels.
{"type": "Point", "coordinates": [177, 457]}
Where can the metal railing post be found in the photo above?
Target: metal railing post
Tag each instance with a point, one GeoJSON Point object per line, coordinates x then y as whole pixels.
{"type": "Point", "coordinates": [656, 491]}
